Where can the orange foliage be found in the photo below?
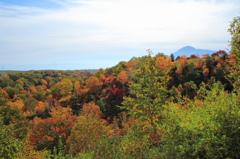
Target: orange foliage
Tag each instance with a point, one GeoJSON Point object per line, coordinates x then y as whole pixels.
{"type": "Point", "coordinates": [33, 89]}
{"type": "Point", "coordinates": [23, 92]}
{"type": "Point", "coordinates": [3, 93]}
{"type": "Point", "coordinates": [131, 64]}
{"type": "Point", "coordinates": [26, 113]}
{"type": "Point", "coordinates": [44, 87]}
{"type": "Point", "coordinates": [205, 71]}
{"type": "Point", "coordinates": [45, 133]}
{"type": "Point", "coordinates": [182, 61]}
{"type": "Point", "coordinates": [40, 108]}
{"type": "Point", "coordinates": [104, 80]}
{"type": "Point", "coordinates": [44, 82]}
{"type": "Point", "coordinates": [162, 62]}
{"type": "Point", "coordinates": [93, 84]}
{"type": "Point", "coordinates": [90, 110]}
{"type": "Point", "coordinates": [19, 82]}
{"type": "Point", "coordinates": [122, 77]}
{"type": "Point", "coordinates": [17, 104]}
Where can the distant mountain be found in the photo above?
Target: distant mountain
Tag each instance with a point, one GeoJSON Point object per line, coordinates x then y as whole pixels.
{"type": "Point", "coordinates": [189, 50]}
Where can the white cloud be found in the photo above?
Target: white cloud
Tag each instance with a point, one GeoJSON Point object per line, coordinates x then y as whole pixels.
{"type": "Point", "coordinates": [116, 24]}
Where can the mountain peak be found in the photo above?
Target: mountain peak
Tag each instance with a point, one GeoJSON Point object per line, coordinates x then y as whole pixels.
{"type": "Point", "coordinates": [189, 50]}
{"type": "Point", "coordinates": [188, 47]}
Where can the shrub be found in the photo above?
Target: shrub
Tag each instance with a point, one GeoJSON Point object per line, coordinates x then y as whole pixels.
{"type": "Point", "coordinates": [209, 130]}
{"type": "Point", "coordinates": [84, 133]}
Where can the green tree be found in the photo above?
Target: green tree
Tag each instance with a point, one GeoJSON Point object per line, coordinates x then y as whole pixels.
{"type": "Point", "coordinates": [161, 54]}
{"type": "Point", "coordinates": [150, 91]}
{"type": "Point", "coordinates": [64, 87]}
{"type": "Point", "coordinates": [235, 51]}
{"type": "Point", "coordinates": [9, 146]}
{"type": "Point", "coordinates": [172, 57]}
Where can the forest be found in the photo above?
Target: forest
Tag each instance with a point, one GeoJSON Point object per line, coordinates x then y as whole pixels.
{"type": "Point", "coordinates": [152, 106]}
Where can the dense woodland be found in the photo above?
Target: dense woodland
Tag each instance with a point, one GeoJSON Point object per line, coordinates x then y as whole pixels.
{"type": "Point", "coordinates": [152, 106]}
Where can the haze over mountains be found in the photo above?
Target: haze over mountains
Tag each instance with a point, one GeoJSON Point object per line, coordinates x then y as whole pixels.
{"type": "Point", "coordinates": [187, 50]}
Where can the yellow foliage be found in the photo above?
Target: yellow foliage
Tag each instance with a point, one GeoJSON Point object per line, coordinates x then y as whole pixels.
{"type": "Point", "coordinates": [19, 82]}
{"type": "Point", "coordinates": [66, 98]}
{"type": "Point", "coordinates": [102, 76]}
{"type": "Point", "coordinates": [84, 132]}
{"type": "Point", "coordinates": [57, 111]}
{"type": "Point", "coordinates": [28, 152]}
{"type": "Point", "coordinates": [44, 82]}
{"type": "Point", "coordinates": [3, 93]}
{"type": "Point", "coordinates": [122, 77]}
{"type": "Point", "coordinates": [164, 62]}
{"type": "Point", "coordinates": [17, 104]}
{"type": "Point", "coordinates": [36, 120]}
{"type": "Point", "coordinates": [92, 82]}
{"type": "Point", "coordinates": [182, 61]}
{"type": "Point", "coordinates": [64, 87]}
{"type": "Point", "coordinates": [77, 88]}
{"type": "Point", "coordinates": [90, 110]}
{"type": "Point", "coordinates": [205, 71]}
{"type": "Point", "coordinates": [131, 64]}
{"type": "Point", "coordinates": [26, 113]}
{"type": "Point", "coordinates": [41, 107]}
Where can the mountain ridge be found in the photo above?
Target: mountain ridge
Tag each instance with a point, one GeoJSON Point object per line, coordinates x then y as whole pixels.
{"type": "Point", "coordinates": [189, 50]}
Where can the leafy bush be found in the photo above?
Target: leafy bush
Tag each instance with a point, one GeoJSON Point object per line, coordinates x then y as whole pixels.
{"type": "Point", "coordinates": [12, 116]}
{"type": "Point", "coordinates": [84, 133]}
{"type": "Point", "coordinates": [9, 146]}
{"type": "Point", "coordinates": [208, 129]}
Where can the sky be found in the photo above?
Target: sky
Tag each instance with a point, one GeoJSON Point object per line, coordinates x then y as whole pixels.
{"type": "Point", "coordinates": [93, 34]}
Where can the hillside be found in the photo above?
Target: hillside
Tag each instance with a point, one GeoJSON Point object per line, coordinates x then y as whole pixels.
{"type": "Point", "coordinates": [50, 104]}
{"type": "Point", "coordinates": [148, 107]}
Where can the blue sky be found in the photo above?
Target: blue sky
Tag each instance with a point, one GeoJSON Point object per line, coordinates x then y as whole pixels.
{"type": "Point", "coordinates": [93, 34]}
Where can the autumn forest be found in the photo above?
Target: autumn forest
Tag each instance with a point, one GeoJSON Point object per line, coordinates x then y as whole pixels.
{"type": "Point", "coordinates": [154, 106]}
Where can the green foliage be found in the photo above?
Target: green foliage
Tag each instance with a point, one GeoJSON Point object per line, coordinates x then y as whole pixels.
{"type": "Point", "coordinates": [172, 57]}
{"type": "Point", "coordinates": [64, 87]}
{"type": "Point", "coordinates": [84, 133]}
{"type": "Point", "coordinates": [193, 74]}
{"type": "Point", "coordinates": [22, 96]}
{"type": "Point", "coordinates": [30, 104]}
{"type": "Point", "coordinates": [159, 54]}
{"type": "Point", "coordinates": [235, 33]}
{"type": "Point", "coordinates": [5, 82]}
{"type": "Point", "coordinates": [235, 51]}
{"type": "Point", "coordinates": [203, 124]}
{"type": "Point", "coordinates": [11, 92]}
{"type": "Point", "coordinates": [9, 146]}
{"type": "Point", "coordinates": [136, 144]}
{"type": "Point", "coordinates": [38, 96]}
{"type": "Point", "coordinates": [210, 129]}
{"type": "Point", "coordinates": [12, 116]}
{"type": "Point", "coordinates": [150, 91]}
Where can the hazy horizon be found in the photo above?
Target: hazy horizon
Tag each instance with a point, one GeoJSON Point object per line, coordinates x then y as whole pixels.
{"type": "Point", "coordinates": [93, 34]}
